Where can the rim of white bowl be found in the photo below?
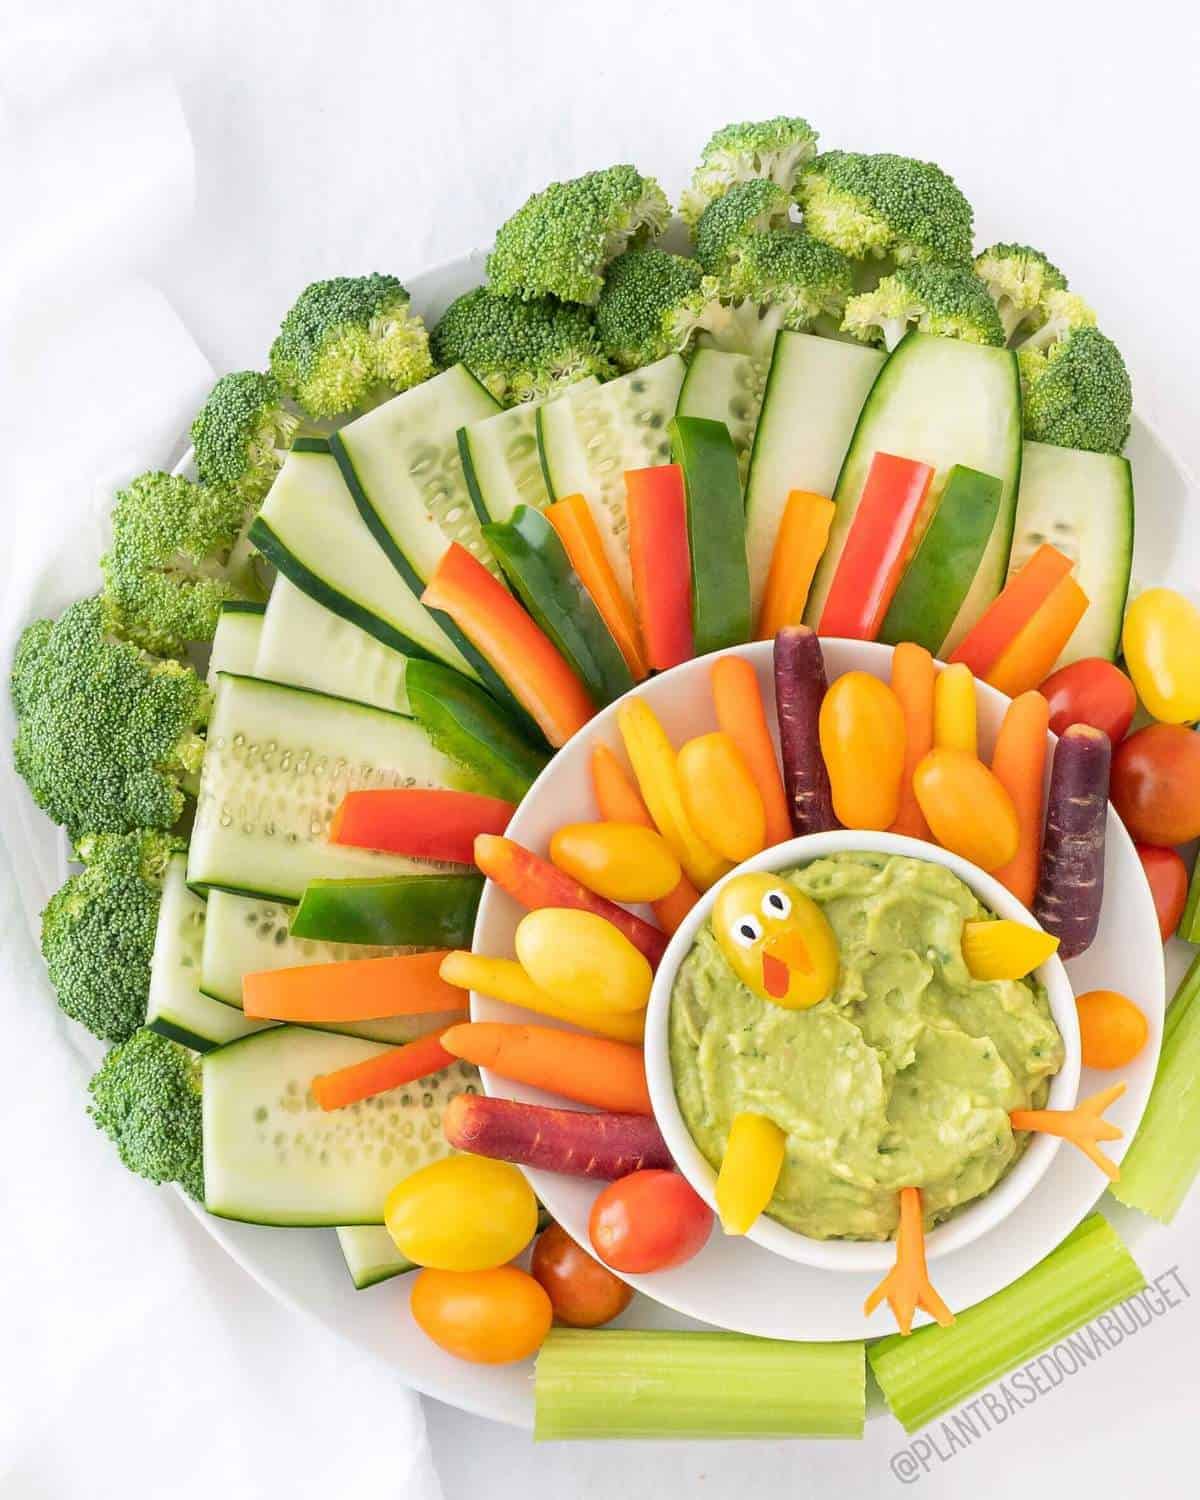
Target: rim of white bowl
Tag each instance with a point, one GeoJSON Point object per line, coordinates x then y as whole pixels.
{"type": "Point", "coordinates": [977, 1217]}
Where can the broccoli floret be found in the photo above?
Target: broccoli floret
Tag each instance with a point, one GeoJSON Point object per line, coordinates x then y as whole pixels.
{"type": "Point", "coordinates": [885, 205]}
{"type": "Point", "coordinates": [645, 292]}
{"type": "Point", "coordinates": [166, 574]}
{"type": "Point", "coordinates": [560, 241]}
{"type": "Point", "coordinates": [98, 931]}
{"type": "Point", "coordinates": [346, 341]}
{"type": "Point", "coordinates": [1058, 314]}
{"type": "Point", "coordinates": [946, 300]}
{"type": "Point", "coordinates": [777, 149]}
{"type": "Point", "coordinates": [519, 350]}
{"type": "Point", "coordinates": [1076, 393]}
{"type": "Point", "coordinates": [747, 208]}
{"type": "Point", "coordinates": [1018, 279]}
{"type": "Point", "coordinates": [146, 1097]}
{"type": "Point", "coordinates": [241, 434]}
{"type": "Point", "coordinates": [106, 735]}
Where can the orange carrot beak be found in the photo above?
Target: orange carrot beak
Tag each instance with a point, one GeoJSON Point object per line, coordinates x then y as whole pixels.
{"type": "Point", "coordinates": [780, 957]}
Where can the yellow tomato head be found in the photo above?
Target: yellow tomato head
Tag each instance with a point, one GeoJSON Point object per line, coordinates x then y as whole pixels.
{"type": "Point", "coordinates": [777, 940]}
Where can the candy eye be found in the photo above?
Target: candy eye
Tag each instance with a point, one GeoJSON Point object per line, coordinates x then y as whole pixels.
{"type": "Point", "coordinates": [746, 931]}
{"type": "Point", "coordinates": [776, 904]}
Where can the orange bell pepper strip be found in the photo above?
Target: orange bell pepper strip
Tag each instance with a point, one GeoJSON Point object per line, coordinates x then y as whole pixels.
{"type": "Point", "coordinates": [1016, 603]}
{"type": "Point", "coordinates": [360, 989]}
{"type": "Point", "coordinates": [580, 536]}
{"type": "Point", "coordinates": [907, 1285]}
{"type": "Point", "coordinates": [497, 626]}
{"type": "Point", "coordinates": [1029, 657]}
{"type": "Point", "coordinates": [743, 716]}
{"type": "Point", "coordinates": [660, 558]}
{"type": "Point", "coordinates": [421, 822]}
{"type": "Point", "coordinates": [801, 541]}
{"type": "Point", "coordinates": [913, 683]}
{"type": "Point", "coordinates": [1019, 762]}
{"type": "Point", "coordinates": [386, 1070]}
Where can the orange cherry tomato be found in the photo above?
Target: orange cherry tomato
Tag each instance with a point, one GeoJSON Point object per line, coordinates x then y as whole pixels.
{"type": "Point", "coordinates": [1156, 784]}
{"type": "Point", "coordinates": [1168, 878]}
{"type": "Point", "coordinates": [1091, 691]}
{"type": "Point", "coordinates": [967, 807]}
{"type": "Point", "coordinates": [1112, 1028]}
{"type": "Point", "coordinates": [487, 1317]}
{"type": "Point", "coordinates": [721, 797]}
{"type": "Point", "coordinates": [582, 1292]}
{"type": "Point", "coordinates": [862, 733]}
{"type": "Point", "coordinates": [649, 1221]}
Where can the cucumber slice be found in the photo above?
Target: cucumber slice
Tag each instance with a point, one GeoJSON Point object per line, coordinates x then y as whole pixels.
{"type": "Point", "coordinates": [716, 521]}
{"type": "Point", "coordinates": [176, 1008]}
{"type": "Point", "coordinates": [306, 645]}
{"type": "Point", "coordinates": [370, 1254]}
{"type": "Point", "coordinates": [814, 393]}
{"type": "Point", "coordinates": [500, 459]}
{"type": "Point", "coordinates": [419, 911]}
{"type": "Point", "coordinates": [587, 440]}
{"type": "Point", "coordinates": [724, 387]}
{"type": "Point", "coordinates": [1081, 503]}
{"type": "Point", "coordinates": [235, 642]}
{"type": "Point", "coordinates": [279, 759]}
{"type": "Point", "coordinates": [310, 528]}
{"type": "Point", "coordinates": [943, 402]}
{"type": "Point", "coordinates": [271, 1156]}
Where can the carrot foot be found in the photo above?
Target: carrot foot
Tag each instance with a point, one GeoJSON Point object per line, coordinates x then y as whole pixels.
{"type": "Point", "coordinates": [907, 1286]}
{"type": "Point", "coordinates": [1083, 1126]}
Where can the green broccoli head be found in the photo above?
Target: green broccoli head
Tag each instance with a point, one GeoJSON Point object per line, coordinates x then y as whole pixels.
{"type": "Point", "coordinates": [347, 341]}
{"type": "Point", "coordinates": [146, 1097]}
{"type": "Point", "coordinates": [747, 208]}
{"type": "Point", "coordinates": [106, 735]}
{"type": "Point", "coordinates": [98, 931]}
{"type": "Point", "coordinates": [519, 350]}
{"type": "Point", "coordinates": [1018, 279]}
{"type": "Point", "coordinates": [946, 300]}
{"type": "Point", "coordinates": [645, 293]}
{"type": "Point", "coordinates": [1076, 392]}
{"type": "Point", "coordinates": [560, 241]}
{"type": "Point", "coordinates": [777, 150]}
{"type": "Point", "coordinates": [1058, 314]}
{"type": "Point", "coordinates": [241, 433]}
{"type": "Point", "coordinates": [166, 573]}
{"type": "Point", "coordinates": [869, 207]}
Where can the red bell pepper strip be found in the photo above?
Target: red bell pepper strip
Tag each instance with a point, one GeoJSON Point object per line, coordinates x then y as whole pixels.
{"type": "Point", "coordinates": [659, 556]}
{"type": "Point", "coordinates": [421, 822]}
{"type": "Point", "coordinates": [876, 547]}
{"type": "Point", "coordinates": [1015, 605]}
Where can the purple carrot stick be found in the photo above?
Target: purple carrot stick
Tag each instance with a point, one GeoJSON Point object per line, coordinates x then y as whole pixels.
{"type": "Point", "coordinates": [1071, 882]}
{"type": "Point", "coordinates": [602, 1146]}
{"type": "Point", "coordinates": [800, 685]}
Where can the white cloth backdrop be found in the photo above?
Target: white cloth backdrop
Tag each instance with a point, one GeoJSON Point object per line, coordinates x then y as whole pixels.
{"type": "Point", "coordinates": [171, 175]}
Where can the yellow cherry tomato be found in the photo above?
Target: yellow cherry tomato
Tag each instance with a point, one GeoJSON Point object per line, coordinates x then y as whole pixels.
{"type": "Point", "coordinates": [967, 807]}
{"type": "Point", "coordinates": [464, 1213]}
{"type": "Point", "coordinates": [582, 960]}
{"type": "Point", "coordinates": [622, 861]}
{"type": "Point", "coordinates": [862, 735]}
{"type": "Point", "coordinates": [487, 1317]}
{"type": "Point", "coordinates": [1111, 1027]}
{"type": "Point", "coordinates": [1161, 642]}
{"type": "Point", "coordinates": [778, 940]}
{"type": "Point", "coordinates": [749, 1170]}
{"type": "Point", "coordinates": [721, 798]}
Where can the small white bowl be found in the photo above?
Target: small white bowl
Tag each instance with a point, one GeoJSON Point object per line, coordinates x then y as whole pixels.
{"type": "Point", "coordinates": [968, 1223]}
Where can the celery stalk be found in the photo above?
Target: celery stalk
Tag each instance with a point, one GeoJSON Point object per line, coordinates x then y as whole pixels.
{"type": "Point", "coordinates": [1164, 1159]}
{"type": "Point", "coordinates": [932, 1370]}
{"type": "Point", "coordinates": [627, 1383]}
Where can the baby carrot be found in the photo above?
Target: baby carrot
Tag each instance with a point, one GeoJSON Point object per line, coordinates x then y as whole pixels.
{"type": "Point", "coordinates": [741, 714]}
{"type": "Point", "coordinates": [386, 1070]}
{"type": "Point", "coordinates": [912, 683]}
{"type": "Point", "coordinates": [589, 1069]}
{"type": "Point", "coordinates": [1019, 761]}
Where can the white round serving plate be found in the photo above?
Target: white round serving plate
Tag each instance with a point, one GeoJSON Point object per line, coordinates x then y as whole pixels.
{"type": "Point", "coordinates": [303, 1268]}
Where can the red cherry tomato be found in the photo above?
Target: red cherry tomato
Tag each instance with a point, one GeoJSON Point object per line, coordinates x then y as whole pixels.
{"type": "Point", "coordinates": [1091, 691]}
{"type": "Point", "coordinates": [649, 1221]}
{"type": "Point", "coordinates": [1156, 784]}
{"type": "Point", "coordinates": [1168, 878]}
{"type": "Point", "coordinates": [582, 1292]}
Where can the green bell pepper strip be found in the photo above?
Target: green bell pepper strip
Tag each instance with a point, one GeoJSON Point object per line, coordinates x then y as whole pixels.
{"type": "Point", "coordinates": [716, 518]}
{"type": "Point", "coordinates": [403, 911]}
{"type": "Point", "coordinates": [936, 581]}
{"type": "Point", "coordinates": [536, 564]}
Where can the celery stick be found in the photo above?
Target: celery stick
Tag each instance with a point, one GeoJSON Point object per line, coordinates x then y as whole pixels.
{"type": "Point", "coordinates": [1164, 1159]}
{"type": "Point", "coordinates": [932, 1370]}
{"type": "Point", "coordinates": [626, 1383]}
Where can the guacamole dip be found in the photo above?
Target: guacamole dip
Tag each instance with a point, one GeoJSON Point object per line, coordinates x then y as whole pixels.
{"type": "Point", "coordinates": [904, 1077]}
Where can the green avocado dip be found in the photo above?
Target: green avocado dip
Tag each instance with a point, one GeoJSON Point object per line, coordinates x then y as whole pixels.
{"type": "Point", "coordinates": [903, 1077]}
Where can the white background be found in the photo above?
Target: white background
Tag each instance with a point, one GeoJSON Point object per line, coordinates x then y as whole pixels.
{"type": "Point", "coordinates": [337, 136]}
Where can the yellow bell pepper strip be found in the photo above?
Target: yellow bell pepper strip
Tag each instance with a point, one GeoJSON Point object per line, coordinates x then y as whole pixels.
{"type": "Point", "coordinates": [799, 546]}
{"type": "Point", "coordinates": [580, 959]}
{"type": "Point", "coordinates": [861, 728]}
{"type": "Point", "coordinates": [1029, 657]}
{"type": "Point", "coordinates": [504, 979]}
{"type": "Point", "coordinates": [1004, 949]}
{"type": "Point", "coordinates": [1161, 643]}
{"type": "Point", "coordinates": [954, 718]}
{"type": "Point", "coordinates": [913, 677]}
{"type": "Point", "coordinates": [497, 626]}
{"type": "Point", "coordinates": [967, 808]}
{"type": "Point", "coordinates": [620, 861]}
{"type": "Point", "coordinates": [742, 715]}
{"type": "Point", "coordinates": [721, 798]}
{"type": "Point", "coordinates": [1084, 1126]}
{"type": "Point", "coordinates": [579, 534]}
{"type": "Point", "coordinates": [749, 1170]}
{"type": "Point", "coordinates": [907, 1285]}
{"type": "Point", "coordinates": [1020, 598]}
{"type": "Point", "coordinates": [1019, 761]}
{"type": "Point", "coordinates": [654, 764]}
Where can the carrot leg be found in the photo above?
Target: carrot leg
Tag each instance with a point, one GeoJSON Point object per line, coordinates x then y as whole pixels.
{"type": "Point", "coordinates": [907, 1285]}
{"type": "Point", "coordinates": [1083, 1126]}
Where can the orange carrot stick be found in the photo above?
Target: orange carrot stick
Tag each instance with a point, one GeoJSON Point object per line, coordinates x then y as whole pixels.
{"type": "Point", "coordinates": [1019, 760]}
{"type": "Point", "coordinates": [741, 714]}
{"type": "Point", "coordinates": [387, 1070]}
{"type": "Point", "coordinates": [589, 1069]}
{"type": "Point", "coordinates": [912, 682]}
{"type": "Point", "coordinates": [361, 989]}
{"type": "Point", "coordinates": [579, 534]}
